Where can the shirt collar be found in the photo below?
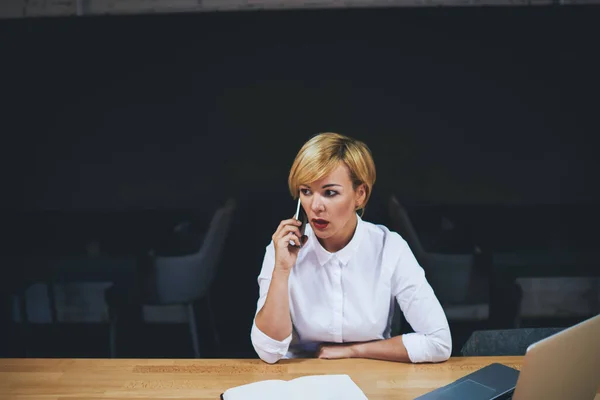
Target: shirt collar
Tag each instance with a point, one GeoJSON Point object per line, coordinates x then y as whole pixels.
{"type": "Point", "coordinates": [343, 255]}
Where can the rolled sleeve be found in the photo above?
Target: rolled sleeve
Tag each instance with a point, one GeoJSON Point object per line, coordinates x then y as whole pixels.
{"type": "Point", "coordinates": [267, 348]}
{"type": "Point", "coordinates": [426, 348]}
{"type": "Point", "coordinates": [431, 341]}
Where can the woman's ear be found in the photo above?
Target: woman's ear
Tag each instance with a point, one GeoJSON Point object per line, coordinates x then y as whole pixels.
{"type": "Point", "coordinates": [360, 196]}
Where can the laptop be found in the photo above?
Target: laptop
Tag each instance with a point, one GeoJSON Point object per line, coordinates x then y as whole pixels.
{"type": "Point", "coordinates": [563, 366]}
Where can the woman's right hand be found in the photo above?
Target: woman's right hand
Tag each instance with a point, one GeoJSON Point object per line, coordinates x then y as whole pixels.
{"type": "Point", "coordinates": [286, 254]}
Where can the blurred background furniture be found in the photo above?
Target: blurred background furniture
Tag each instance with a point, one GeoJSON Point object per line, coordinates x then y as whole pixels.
{"type": "Point", "coordinates": [16, 327]}
{"type": "Point", "coordinates": [167, 278]}
{"type": "Point", "coordinates": [506, 268]}
{"type": "Point", "coordinates": [505, 342]}
{"type": "Point", "coordinates": [461, 291]}
{"type": "Point", "coordinates": [50, 270]}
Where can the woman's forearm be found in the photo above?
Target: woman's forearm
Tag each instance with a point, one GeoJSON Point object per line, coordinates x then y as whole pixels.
{"type": "Point", "coordinates": [274, 318]}
{"type": "Point", "coordinates": [388, 349]}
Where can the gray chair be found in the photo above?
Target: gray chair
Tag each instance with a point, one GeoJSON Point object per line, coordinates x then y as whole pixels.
{"type": "Point", "coordinates": [449, 274]}
{"type": "Point", "coordinates": [504, 342]}
{"type": "Point", "coordinates": [183, 280]}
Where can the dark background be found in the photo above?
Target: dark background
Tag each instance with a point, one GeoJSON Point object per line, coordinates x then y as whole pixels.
{"type": "Point", "coordinates": [114, 128]}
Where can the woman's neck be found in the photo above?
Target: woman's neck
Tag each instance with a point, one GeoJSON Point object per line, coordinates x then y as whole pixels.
{"type": "Point", "coordinates": [342, 238]}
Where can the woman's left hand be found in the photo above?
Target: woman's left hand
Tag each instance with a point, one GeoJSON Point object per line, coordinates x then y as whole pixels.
{"type": "Point", "coordinates": [335, 350]}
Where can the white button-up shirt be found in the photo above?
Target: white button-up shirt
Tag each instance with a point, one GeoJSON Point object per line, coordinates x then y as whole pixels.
{"type": "Point", "coordinates": [349, 295]}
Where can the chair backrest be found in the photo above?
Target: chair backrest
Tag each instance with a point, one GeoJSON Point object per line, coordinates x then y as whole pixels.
{"type": "Point", "coordinates": [182, 279]}
{"type": "Point", "coordinates": [504, 342]}
{"type": "Point", "coordinates": [448, 274]}
{"type": "Point", "coordinates": [404, 226]}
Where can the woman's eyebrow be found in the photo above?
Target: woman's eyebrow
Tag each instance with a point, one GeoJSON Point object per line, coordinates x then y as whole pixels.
{"type": "Point", "coordinates": [324, 186]}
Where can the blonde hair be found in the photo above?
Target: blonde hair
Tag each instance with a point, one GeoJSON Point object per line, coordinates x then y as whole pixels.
{"type": "Point", "coordinates": [322, 153]}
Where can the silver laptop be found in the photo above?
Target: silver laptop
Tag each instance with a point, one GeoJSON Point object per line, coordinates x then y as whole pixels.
{"type": "Point", "coordinates": [564, 366]}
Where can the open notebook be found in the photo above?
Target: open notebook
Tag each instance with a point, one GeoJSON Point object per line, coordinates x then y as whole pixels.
{"type": "Point", "coordinates": [313, 387]}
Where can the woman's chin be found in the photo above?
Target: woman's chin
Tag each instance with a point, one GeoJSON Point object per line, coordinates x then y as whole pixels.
{"type": "Point", "coordinates": [322, 234]}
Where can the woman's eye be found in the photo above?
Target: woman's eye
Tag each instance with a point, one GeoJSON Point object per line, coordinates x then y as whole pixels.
{"type": "Point", "coordinates": [305, 191]}
{"type": "Point", "coordinates": [331, 193]}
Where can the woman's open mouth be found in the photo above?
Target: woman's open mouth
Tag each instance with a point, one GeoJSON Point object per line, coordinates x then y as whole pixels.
{"type": "Point", "coordinates": [320, 224]}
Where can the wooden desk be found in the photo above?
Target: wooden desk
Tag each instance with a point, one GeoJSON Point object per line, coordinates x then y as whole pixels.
{"type": "Point", "coordinates": [119, 379]}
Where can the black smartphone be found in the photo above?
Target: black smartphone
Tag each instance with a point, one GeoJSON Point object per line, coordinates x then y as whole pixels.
{"type": "Point", "coordinates": [302, 217]}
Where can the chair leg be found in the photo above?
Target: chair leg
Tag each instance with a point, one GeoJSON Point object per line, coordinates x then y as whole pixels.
{"type": "Point", "coordinates": [212, 321]}
{"type": "Point", "coordinates": [112, 337]}
{"type": "Point", "coordinates": [113, 317]}
{"type": "Point", "coordinates": [52, 302]}
{"type": "Point", "coordinates": [193, 329]}
{"type": "Point", "coordinates": [22, 297]}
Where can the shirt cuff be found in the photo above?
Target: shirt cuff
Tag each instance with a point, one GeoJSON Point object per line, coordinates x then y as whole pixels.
{"type": "Point", "coordinates": [267, 348]}
{"type": "Point", "coordinates": [413, 342]}
{"type": "Point", "coordinates": [421, 348]}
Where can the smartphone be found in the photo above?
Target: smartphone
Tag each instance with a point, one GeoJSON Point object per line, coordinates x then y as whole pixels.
{"type": "Point", "coordinates": [302, 217]}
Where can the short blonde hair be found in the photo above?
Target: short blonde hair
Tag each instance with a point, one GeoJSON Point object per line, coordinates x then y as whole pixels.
{"type": "Point", "coordinates": [320, 155]}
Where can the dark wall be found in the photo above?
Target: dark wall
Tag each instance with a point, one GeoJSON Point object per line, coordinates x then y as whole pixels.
{"type": "Point", "coordinates": [463, 105]}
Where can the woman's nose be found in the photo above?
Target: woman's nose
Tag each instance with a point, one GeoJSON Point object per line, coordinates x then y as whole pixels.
{"type": "Point", "coordinates": [317, 204]}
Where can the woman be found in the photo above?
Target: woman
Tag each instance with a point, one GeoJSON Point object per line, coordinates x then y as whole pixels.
{"type": "Point", "coordinates": [333, 297]}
